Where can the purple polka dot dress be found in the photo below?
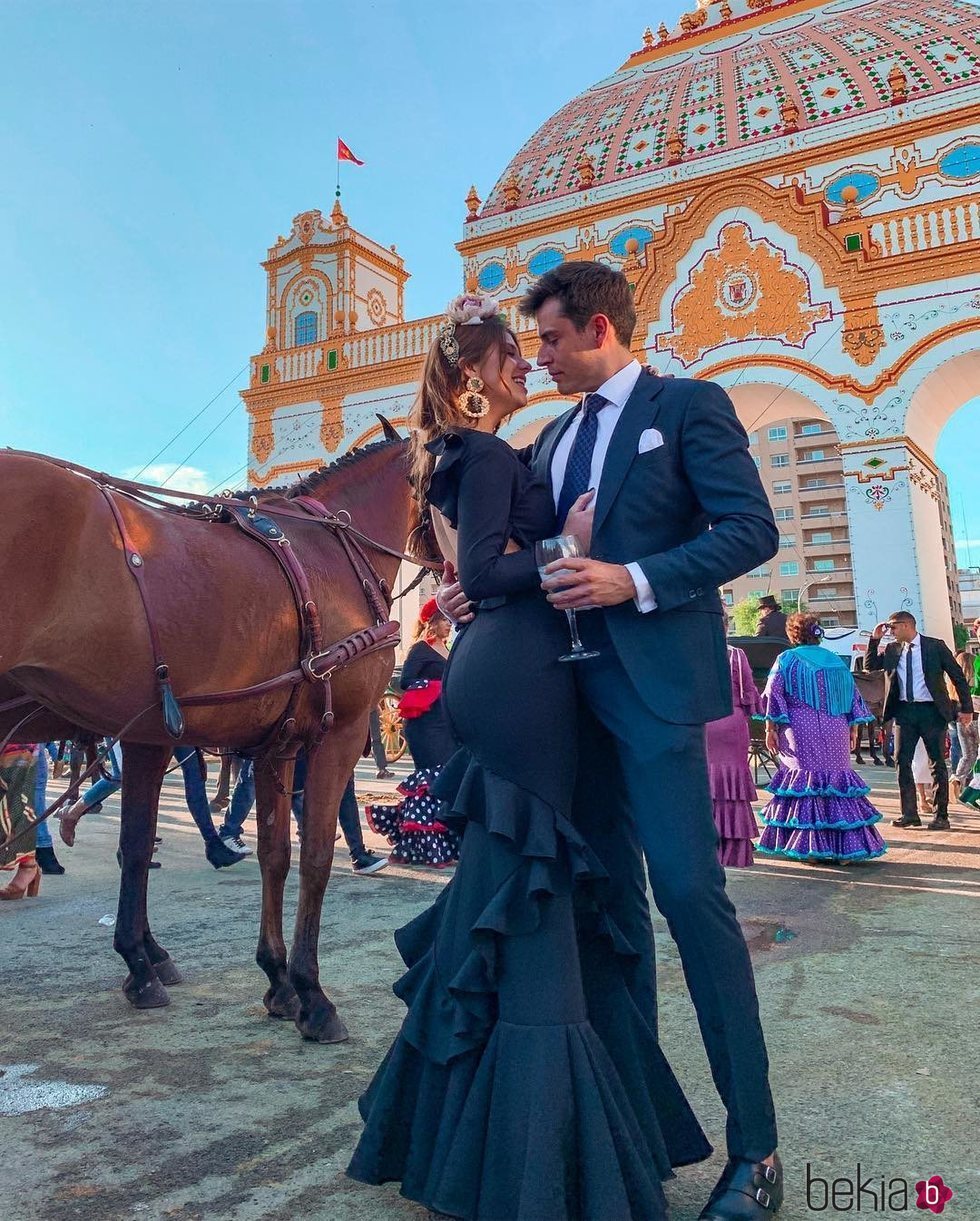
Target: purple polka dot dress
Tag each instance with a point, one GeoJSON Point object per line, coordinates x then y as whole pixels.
{"type": "Point", "coordinates": [819, 809]}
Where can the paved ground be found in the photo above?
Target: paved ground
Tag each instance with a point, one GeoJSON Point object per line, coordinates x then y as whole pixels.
{"type": "Point", "coordinates": [209, 1110]}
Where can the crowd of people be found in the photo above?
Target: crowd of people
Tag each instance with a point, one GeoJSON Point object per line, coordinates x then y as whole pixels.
{"type": "Point", "coordinates": [527, 1078]}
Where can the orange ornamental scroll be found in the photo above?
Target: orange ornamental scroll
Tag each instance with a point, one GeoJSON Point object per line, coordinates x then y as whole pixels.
{"type": "Point", "coordinates": [744, 289]}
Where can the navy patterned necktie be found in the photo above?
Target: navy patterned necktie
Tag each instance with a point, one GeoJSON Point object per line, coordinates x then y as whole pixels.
{"type": "Point", "coordinates": [578, 472]}
{"type": "Point", "coordinates": [909, 679]}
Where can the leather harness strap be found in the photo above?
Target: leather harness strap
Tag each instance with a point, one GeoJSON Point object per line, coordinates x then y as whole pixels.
{"type": "Point", "coordinates": [172, 716]}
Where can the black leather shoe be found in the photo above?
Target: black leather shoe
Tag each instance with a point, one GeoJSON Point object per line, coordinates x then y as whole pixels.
{"type": "Point", "coordinates": [939, 823]}
{"type": "Point", "coordinates": [907, 822]}
{"type": "Point", "coordinates": [746, 1191]}
{"type": "Point", "coordinates": [48, 861]}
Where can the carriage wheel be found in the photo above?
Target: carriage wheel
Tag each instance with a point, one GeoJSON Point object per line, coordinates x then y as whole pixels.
{"type": "Point", "coordinates": [392, 728]}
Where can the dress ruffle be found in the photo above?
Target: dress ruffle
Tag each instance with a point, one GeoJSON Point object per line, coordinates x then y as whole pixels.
{"type": "Point", "coordinates": [820, 815]}
{"type": "Point", "coordinates": [414, 826]}
{"type": "Point", "coordinates": [482, 1118]}
{"type": "Point", "coordinates": [732, 794]}
{"type": "Point", "coordinates": [798, 782]}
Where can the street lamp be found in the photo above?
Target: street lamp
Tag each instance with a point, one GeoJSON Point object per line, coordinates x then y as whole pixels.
{"type": "Point", "coordinates": [799, 596]}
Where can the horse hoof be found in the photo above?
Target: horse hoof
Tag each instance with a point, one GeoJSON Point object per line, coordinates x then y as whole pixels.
{"type": "Point", "coordinates": [152, 995]}
{"type": "Point", "coordinates": [282, 1004]}
{"type": "Point", "coordinates": [167, 972]}
{"type": "Point", "coordinates": [323, 1028]}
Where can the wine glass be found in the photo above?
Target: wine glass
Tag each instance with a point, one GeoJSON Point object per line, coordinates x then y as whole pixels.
{"type": "Point", "coordinates": [563, 547]}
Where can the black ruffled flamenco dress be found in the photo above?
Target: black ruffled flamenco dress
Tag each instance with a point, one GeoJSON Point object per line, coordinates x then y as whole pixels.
{"type": "Point", "coordinates": [526, 1082]}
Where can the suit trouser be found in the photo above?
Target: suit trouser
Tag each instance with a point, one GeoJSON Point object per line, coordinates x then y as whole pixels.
{"type": "Point", "coordinates": [923, 721]}
{"type": "Point", "coordinates": [665, 773]}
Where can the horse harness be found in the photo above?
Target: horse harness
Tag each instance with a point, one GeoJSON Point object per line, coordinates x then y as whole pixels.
{"type": "Point", "coordinates": [317, 664]}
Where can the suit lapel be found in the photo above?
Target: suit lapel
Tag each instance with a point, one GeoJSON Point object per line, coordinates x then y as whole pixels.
{"type": "Point", "coordinates": [638, 414]}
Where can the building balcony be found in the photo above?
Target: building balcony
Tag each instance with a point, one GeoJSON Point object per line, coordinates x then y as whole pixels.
{"type": "Point", "coordinates": [814, 438]}
{"type": "Point", "coordinates": [833, 518]}
{"type": "Point", "coordinates": [838, 548]}
{"type": "Point", "coordinates": [829, 493]}
{"type": "Point", "coordinates": [827, 462]}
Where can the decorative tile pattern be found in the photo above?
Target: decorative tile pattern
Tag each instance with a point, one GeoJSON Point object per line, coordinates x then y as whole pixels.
{"type": "Point", "coordinates": [834, 66]}
{"type": "Point", "coordinates": [952, 60]}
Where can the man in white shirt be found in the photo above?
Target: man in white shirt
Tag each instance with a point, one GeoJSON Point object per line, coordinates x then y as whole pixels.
{"type": "Point", "coordinates": [678, 510]}
{"type": "Point", "coordinates": [917, 699]}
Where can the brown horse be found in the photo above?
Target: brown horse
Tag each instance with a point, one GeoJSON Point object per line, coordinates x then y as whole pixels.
{"type": "Point", "coordinates": [76, 640]}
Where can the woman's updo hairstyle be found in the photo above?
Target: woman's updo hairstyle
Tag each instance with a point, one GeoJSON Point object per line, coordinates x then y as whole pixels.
{"type": "Point", "coordinates": [471, 329]}
{"type": "Point", "coordinates": [804, 629]}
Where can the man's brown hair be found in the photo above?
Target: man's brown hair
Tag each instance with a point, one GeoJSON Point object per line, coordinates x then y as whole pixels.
{"type": "Point", "coordinates": [584, 290]}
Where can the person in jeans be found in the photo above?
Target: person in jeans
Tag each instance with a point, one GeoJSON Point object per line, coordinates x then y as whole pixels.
{"type": "Point", "coordinates": [218, 853]}
{"type": "Point", "coordinates": [242, 800]}
{"type": "Point", "coordinates": [363, 860]}
{"type": "Point", "coordinates": [44, 853]}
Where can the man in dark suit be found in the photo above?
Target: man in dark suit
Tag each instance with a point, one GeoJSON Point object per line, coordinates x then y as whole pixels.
{"type": "Point", "coordinates": [772, 620]}
{"type": "Point", "coordinates": [916, 696]}
{"type": "Point", "coordinates": [678, 510]}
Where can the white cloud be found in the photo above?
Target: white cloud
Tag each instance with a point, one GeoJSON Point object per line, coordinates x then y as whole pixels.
{"type": "Point", "coordinates": [185, 478]}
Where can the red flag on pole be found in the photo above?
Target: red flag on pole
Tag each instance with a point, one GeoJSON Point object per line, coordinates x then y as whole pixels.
{"type": "Point", "coordinates": [344, 153]}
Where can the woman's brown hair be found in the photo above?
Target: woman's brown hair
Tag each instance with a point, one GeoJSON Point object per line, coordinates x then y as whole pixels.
{"type": "Point", "coordinates": [436, 410]}
{"type": "Point", "coordinates": [803, 629]}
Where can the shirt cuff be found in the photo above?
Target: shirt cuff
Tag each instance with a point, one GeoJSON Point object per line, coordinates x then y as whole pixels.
{"type": "Point", "coordinates": [644, 600]}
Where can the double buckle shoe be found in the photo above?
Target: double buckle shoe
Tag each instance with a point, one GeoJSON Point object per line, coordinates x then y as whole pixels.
{"type": "Point", "coordinates": [746, 1191]}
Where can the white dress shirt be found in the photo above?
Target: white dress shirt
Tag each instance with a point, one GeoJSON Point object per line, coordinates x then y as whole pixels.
{"type": "Point", "coordinates": [615, 391]}
{"type": "Point", "coordinates": [920, 690]}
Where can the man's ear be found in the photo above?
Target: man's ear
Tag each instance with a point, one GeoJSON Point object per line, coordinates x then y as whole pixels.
{"type": "Point", "coordinates": [602, 328]}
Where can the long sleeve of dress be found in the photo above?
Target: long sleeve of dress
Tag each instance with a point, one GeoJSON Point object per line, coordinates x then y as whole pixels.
{"type": "Point", "coordinates": [488, 481]}
{"type": "Point", "coordinates": [859, 713]}
{"type": "Point", "coordinates": [745, 692]}
{"type": "Point", "coordinates": [774, 705]}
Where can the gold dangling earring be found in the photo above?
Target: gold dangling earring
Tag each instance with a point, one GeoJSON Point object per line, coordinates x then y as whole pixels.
{"type": "Point", "coordinates": [471, 402]}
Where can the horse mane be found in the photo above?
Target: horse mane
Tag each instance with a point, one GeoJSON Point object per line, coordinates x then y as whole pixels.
{"type": "Point", "coordinates": [310, 483]}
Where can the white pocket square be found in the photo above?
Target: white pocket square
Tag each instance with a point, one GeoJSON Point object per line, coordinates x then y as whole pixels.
{"type": "Point", "coordinates": [651, 438]}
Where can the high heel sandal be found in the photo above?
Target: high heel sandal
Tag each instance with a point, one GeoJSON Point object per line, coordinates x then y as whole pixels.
{"type": "Point", "coordinates": [26, 881]}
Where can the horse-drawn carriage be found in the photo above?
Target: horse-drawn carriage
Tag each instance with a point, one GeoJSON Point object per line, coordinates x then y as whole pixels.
{"type": "Point", "coordinates": [392, 722]}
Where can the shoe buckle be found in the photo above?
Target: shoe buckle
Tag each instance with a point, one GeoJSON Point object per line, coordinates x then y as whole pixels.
{"type": "Point", "coordinates": [770, 1173]}
{"type": "Point", "coordinates": [763, 1197]}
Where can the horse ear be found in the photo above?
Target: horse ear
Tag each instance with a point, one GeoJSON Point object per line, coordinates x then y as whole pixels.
{"type": "Point", "coordinates": [390, 431]}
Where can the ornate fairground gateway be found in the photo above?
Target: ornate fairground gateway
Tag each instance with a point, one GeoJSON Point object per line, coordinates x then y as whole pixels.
{"type": "Point", "coordinates": [794, 191]}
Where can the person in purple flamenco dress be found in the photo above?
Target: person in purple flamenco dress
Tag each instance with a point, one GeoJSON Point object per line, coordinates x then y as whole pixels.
{"type": "Point", "coordinates": [732, 787]}
{"type": "Point", "coordinates": [819, 810]}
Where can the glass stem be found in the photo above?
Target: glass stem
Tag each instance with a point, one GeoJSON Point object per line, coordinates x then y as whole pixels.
{"type": "Point", "coordinates": [577, 646]}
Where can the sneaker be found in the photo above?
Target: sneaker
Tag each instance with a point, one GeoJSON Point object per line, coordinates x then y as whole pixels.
{"type": "Point", "coordinates": [386, 774]}
{"type": "Point", "coordinates": [370, 862]}
{"type": "Point", "coordinates": [219, 856]}
{"type": "Point", "coordinates": [236, 844]}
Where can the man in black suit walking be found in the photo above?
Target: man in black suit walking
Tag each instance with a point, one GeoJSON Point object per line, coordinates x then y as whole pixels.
{"type": "Point", "coordinates": [678, 510]}
{"type": "Point", "coordinates": [916, 696]}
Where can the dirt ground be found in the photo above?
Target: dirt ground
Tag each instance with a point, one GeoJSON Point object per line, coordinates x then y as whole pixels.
{"type": "Point", "coordinates": [868, 979]}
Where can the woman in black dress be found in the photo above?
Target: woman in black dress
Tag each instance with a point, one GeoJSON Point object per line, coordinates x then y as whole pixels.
{"type": "Point", "coordinates": [415, 827]}
{"type": "Point", "coordinates": [527, 1080]}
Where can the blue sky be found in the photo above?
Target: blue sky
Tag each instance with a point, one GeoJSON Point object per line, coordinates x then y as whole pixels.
{"type": "Point", "coordinates": [153, 152]}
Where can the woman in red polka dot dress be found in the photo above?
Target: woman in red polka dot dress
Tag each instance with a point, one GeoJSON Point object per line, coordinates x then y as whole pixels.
{"type": "Point", "coordinates": [414, 827]}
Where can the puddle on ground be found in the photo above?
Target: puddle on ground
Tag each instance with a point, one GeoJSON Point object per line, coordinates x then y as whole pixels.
{"type": "Point", "coordinates": [763, 935]}
{"type": "Point", "coordinates": [21, 1092]}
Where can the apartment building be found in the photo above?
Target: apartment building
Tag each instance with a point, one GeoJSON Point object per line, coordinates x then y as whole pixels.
{"type": "Point", "coordinates": [802, 473]}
